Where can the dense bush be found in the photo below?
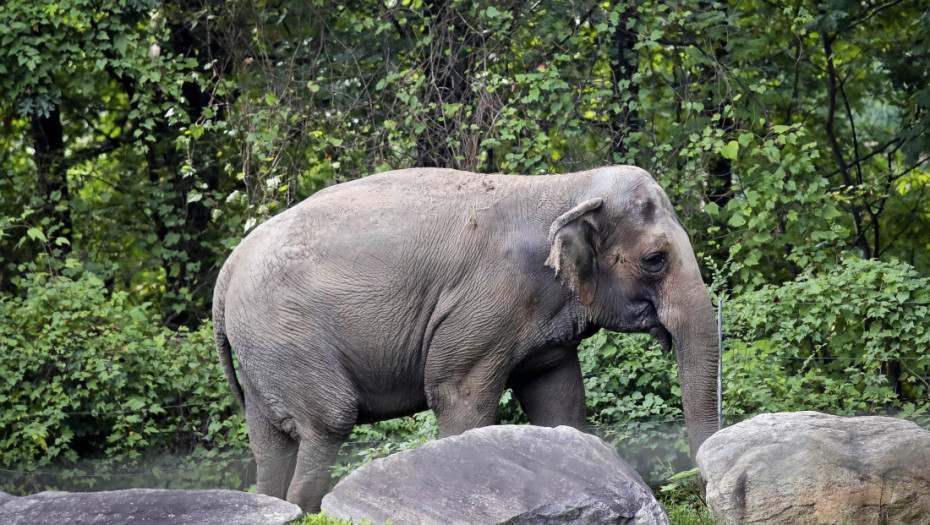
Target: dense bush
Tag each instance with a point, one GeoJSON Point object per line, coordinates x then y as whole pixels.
{"type": "Point", "coordinates": [849, 340]}
{"type": "Point", "coordinates": [634, 401]}
{"type": "Point", "coordinates": [376, 440]}
{"type": "Point", "coordinates": [87, 374]}
{"type": "Point", "coordinates": [90, 375]}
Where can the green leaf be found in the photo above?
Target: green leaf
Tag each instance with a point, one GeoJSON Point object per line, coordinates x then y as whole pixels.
{"type": "Point", "coordinates": [36, 235]}
{"type": "Point", "coordinates": [829, 211]}
{"type": "Point", "coordinates": [685, 474]}
{"type": "Point", "coordinates": [135, 403]}
{"type": "Point", "coordinates": [761, 237]}
{"type": "Point", "coordinates": [121, 42]}
{"type": "Point", "coordinates": [729, 150]}
{"type": "Point", "coordinates": [737, 220]}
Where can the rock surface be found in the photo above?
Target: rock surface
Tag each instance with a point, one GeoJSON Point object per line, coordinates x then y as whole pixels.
{"type": "Point", "coordinates": [148, 506]}
{"type": "Point", "coordinates": [513, 474]}
{"type": "Point", "coordinates": [813, 468]}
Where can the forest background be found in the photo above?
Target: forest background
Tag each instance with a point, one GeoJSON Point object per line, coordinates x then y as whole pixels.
{"type": "Point", "coordinates": [141, 140]}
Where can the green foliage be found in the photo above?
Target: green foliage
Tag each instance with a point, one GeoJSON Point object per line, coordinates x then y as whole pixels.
{"type": "Point", "coordinates": [325, 519]}
{"type": "Point", "coordinates": [630, 378]}
{"type": "Point", "coordinates": [634, 401]}
{"type": "Point", "coordinates": [377, 440]}
{"type": "Point", "coordinates": [64, 48]}
{"type": "Point", "coordinates": [98, 113]}
{"type": "Point", "coordinates": [682, 499]}
{"type": "Point", "coordinates": [86, 373]}
{"type": "Point", "coordinates": [851, 340]}
{"type": "Point", "coordinates": [692, 512]}
{"type": "Point", "coordinates": [140, 141]}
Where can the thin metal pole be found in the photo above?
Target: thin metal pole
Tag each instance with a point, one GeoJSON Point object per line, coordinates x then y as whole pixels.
{"type": "Point", "coordinates": [720, 362]}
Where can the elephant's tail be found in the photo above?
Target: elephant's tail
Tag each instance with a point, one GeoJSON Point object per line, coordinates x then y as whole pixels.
{"type": "Point", "coordinates": [223, 348]}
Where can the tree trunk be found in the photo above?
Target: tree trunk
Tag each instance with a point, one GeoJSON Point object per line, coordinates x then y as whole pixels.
{"type": "Point", "coordinates": [623, 64]}
{"type": "Point", "coordinates": [52, 174]}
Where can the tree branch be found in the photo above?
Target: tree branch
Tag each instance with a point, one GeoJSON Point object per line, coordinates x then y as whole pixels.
{"type": "Point", "coordinates": [856, 210]}
{"type": "Point", "coordinates": [868, 15]}
{"type": "Point", "coordinates": [917, 205]}
{"type": "Point", "coordinates": [739, 82]}
{"type": "Point", "coordinates": [875, 151]}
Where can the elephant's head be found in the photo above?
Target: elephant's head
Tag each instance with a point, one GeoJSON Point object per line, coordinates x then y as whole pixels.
{"type": "Point", "coordinates": [623, 252]}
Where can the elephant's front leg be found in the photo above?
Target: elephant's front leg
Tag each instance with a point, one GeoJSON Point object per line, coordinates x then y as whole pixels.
{"type": "Point", "coordinates": [464, 397]}
{"type": "Point", "coordinates": [551, 390]}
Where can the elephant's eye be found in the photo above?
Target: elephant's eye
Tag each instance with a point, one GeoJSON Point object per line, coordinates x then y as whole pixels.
{"type": "Point", "coordinates": [655, 262]}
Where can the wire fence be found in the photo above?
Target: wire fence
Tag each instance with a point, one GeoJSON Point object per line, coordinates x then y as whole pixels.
{"type": "Point", "coordinates": [642, 433]}
{"type": "Point", "coordinates": [136, 410]}
{"type": "Point", "coordinates": [656, 448]}
{"type": "Point", "coordinates": [155, 466]}
{"type": "Point", "coordinates": [629, 436]}
{"type": "Point", "coordinates": [69, 471]}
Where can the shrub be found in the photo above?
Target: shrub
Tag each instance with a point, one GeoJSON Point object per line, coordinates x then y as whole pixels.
{"type": "Point", "coordinates": [86, 373]}
{"type": "Point", "coordinates": [634, 401]}
{"type": "Point", "coordinates": [849, 340]}
{"type": "Point", "coordinates": [377, 440]}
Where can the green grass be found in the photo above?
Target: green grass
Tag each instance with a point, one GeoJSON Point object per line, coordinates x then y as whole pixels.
{"type": "Point", "coordinates": [688, 514]}
{"type": "Point", "coordinates": [681, 497]}
{"type": "Point", "coordinates": [681, 512]}
{"type": "Point", "coordinates": [323, 519]}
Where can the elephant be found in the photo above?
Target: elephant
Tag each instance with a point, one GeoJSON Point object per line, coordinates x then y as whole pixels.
{"type": "Point", "coordinates": [439, 289]}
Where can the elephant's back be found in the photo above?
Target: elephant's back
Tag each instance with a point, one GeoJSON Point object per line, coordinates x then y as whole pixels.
{"type": "Point", "coordinates": [376, 250]}
{"type": "Point", "coordinates": [407, 194]}
{"type": "Point", "coordinates": [353, 249]}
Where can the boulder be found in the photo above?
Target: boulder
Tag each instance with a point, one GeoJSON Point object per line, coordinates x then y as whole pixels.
{"type": "Point", "coordinates": [4, 497]}
{"type": "Point", "coordinates": [148, 506]}
{"type": "Point", "coordinates": [513, 474]}
{"type": "Point", "coordinates": [813, 468]}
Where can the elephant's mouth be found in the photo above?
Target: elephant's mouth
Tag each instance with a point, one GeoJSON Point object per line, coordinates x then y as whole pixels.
{"type": "Point", "coordinates": [640, 316]}
{"type": "Point", "coordinates": [648, 321]}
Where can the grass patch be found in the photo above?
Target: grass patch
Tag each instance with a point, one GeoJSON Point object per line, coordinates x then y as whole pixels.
{"type": "Point", "coordinates": [688, 513]}
{"type": "Point", "coordinates": [324, 519]}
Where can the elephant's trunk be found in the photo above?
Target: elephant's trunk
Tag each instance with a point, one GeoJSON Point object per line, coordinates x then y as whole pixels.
{"type": "Point", "coordinates": [690, 322]}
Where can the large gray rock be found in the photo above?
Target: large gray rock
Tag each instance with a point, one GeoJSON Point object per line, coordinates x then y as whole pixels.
{"type": "Point", "coordinates": [499, 474]}
{"type": "Point", "coordinates": [4, 497]}
{"type": "Point", "coordinates": [148, 506]}
{"type": "Point", "coordinates": [807, 468]}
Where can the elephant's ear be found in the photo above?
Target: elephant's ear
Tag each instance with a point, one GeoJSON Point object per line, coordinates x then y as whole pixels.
{"type": "Point", "coordinates": [572, 250]}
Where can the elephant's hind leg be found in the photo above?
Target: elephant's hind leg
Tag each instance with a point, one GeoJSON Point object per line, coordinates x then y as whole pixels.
{"type": "Point", "coordinates": [315, 456]}
{"type": "Point", "coordinates": [275, 456]}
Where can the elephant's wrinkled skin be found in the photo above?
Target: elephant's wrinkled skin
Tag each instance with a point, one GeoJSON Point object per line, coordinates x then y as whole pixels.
{"type": "Point", "coordinates": [438, 289]}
